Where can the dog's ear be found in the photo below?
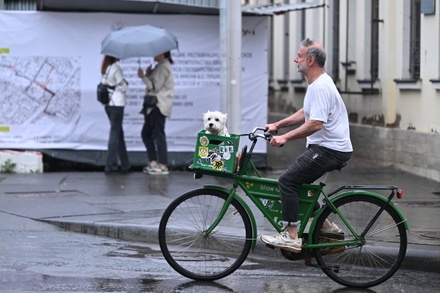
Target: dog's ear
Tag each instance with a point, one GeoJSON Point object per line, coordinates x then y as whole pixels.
{"type": "Point", "coordinates": [225, 117]}
{"type": "Point", "coordinates": [205, 115]}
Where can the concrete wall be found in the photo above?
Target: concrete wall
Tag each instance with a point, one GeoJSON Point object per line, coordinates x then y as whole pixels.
{"type": "Point", "coordinates": [408, 150]}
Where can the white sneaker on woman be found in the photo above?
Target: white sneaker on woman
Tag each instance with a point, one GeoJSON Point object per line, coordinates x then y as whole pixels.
{"type": "Point", "coordinates": [150, 167]}
{"type": "Point", "coordinates": [159, 171]}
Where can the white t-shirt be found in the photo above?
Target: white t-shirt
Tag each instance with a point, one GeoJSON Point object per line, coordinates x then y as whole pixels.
{"type": "Point", "coordinates": [323, 102]}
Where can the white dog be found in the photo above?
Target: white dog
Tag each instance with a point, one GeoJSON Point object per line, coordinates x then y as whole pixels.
{"type": "Point", "coordinates": [215, 123]}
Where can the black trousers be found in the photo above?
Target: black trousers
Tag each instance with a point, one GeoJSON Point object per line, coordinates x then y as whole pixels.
{"type": "Point", "coordinates": [153, 136]}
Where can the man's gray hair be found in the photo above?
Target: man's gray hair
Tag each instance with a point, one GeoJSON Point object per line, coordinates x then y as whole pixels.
{"type": "Point", "coordinates": [315, 50]}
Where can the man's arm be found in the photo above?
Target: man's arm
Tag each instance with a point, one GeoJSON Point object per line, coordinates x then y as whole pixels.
{"type": "Point", "coordinates": [296, 118]}
{"type": "Point", "coordinates": [303, 131]}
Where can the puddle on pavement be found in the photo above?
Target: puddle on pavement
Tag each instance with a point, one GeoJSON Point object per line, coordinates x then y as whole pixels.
{"type": "Point", "coordinates": [136, 252]}
{"type": "Point", "coordinates": [31, 282]}
{"type": "Point", "coordinates": [15, 281]}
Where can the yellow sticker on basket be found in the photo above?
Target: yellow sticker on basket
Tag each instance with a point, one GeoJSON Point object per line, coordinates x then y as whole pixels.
{"type": "Point", "coordinates": [218, 165]}
{"type": "Point", "coordinates": [203, 152]}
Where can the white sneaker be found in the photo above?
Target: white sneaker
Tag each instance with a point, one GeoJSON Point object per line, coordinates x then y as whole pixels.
{"type": "Point", "coordinates": [332, 229]}
{"type": "Point", "coordinates": [159, 171]}
{"type": "Point", "coordinates": [283, 240]}
{"type": "Point", "coordinates": [149, 167]}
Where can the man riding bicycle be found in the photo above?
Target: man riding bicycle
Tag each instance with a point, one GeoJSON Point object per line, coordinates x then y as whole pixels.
{"type": "Point", "coordinates": [323, 120]}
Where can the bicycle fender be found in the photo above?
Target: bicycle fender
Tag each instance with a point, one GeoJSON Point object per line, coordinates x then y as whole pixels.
{"type": "Point", "coordinates": [245, 206]}
{"type": "Point", "coordinates": [353, 193]}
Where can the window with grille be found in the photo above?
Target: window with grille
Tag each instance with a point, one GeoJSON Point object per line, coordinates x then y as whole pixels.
{"type": "Point", "coordinates": [414, 62]}
{"type": "Point", "coordinates": [374, 66]}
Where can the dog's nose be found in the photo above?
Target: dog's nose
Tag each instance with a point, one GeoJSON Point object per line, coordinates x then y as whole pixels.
{"type": "Point", "coordinates": [211, 124]}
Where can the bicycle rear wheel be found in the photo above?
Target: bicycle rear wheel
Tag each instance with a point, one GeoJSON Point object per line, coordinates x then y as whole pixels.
{"type": "Point", "coordinates": [193, 252]}
{"type": "Point", "coordinates": [376, 258]}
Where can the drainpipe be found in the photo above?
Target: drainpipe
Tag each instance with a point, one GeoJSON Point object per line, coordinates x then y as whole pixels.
{"type": "Point", "coordinates": [371, 46]}
{"type": "Point", "coordinates": [346, 44]}
{"type": "Point", "coordinates": [323, 24]}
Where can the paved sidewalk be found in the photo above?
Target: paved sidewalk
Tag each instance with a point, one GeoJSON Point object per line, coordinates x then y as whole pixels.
{"type": "Point", "coordinates": [129, 206]}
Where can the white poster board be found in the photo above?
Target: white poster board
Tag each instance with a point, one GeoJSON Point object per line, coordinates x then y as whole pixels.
{"type": "Point", "coordinates": [50, 66]}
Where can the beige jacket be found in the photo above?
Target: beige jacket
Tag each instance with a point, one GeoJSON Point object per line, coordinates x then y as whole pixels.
{"type": "Point", "coordinates": [161, 83]}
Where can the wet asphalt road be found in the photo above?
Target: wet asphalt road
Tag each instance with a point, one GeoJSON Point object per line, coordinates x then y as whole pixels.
{"type": "Point", "coordinates": [38, 257]}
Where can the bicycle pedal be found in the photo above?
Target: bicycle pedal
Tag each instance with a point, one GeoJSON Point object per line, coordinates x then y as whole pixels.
{"type": "Point", "coordinates": [335, 236]}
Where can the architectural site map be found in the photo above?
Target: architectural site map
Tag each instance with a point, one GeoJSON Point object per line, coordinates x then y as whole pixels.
{"type": "Point", "coordinates": [38, 90]}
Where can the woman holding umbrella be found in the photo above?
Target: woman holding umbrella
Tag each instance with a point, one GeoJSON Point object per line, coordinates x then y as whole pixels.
{"type": "Point", "coordinates": [160, 83]}
{"type": "Point", "coordinates": [117, 157]}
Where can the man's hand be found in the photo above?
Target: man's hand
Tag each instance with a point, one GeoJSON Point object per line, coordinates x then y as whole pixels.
{"type": "Point", "coordinates": [278, 141]}
{"type": "Point", "coordinates": [140, 73]}
{"type": "Point", "coordinates": [271, 128]}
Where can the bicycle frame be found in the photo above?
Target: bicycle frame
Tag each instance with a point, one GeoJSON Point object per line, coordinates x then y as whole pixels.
{"type": "Point", "coordinates": [264, 193]}
{"type": "Point", "coordinates": [207, 233]}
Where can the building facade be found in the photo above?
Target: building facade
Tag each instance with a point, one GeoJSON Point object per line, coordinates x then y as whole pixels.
{"type": "Point", "coordinates": [384, 57]}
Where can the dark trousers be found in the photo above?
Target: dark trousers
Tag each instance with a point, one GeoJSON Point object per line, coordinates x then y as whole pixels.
{"type": "Point", "coordinates": [153, 136]}
{"type": "Point", "coordinates": [308, 167]}
{"type": "Point", "coordinates": [117, 157]}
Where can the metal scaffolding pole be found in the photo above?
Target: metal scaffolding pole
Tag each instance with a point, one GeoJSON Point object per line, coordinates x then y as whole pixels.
{"type": "Point", "coordinates": [230, 54]}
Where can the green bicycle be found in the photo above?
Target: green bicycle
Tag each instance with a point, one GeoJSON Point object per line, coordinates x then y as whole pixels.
{"type": "Point", "coordinates": [207, 233]}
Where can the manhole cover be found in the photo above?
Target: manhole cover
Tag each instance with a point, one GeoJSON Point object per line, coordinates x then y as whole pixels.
{"type": "Point", "coordinates": [56, 193]}
{"type": "Point", "coordinates": [431, 235]}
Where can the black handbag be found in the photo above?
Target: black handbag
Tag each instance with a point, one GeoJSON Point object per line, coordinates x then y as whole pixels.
{"type": "Point", "coordinates": [103, 94]}
{"type": "Point", "coordinates": [102, 91]}
{"type": "Point", "coordinates": [150, 101]}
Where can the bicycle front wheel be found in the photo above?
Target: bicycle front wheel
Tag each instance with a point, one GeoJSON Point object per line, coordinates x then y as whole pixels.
{"type": "Point", "coordinates": [378, 255]}
{"type": "Point", "coordinates": [190, 249]}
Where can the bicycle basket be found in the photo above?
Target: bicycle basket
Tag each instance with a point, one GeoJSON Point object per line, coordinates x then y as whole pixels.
{"type": "Point", "coordinates": [216, 153]}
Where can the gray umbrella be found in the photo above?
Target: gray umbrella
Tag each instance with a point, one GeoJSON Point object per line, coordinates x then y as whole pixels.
{"type": "Point", "coordinates": [138, 41]}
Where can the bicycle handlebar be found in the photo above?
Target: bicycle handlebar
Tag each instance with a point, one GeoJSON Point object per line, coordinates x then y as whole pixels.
{"type": "Point", "coordinates": [266, 135]}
